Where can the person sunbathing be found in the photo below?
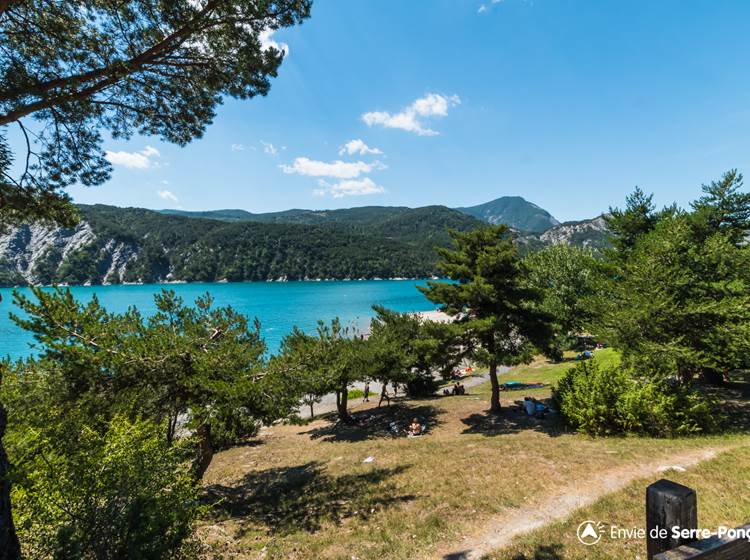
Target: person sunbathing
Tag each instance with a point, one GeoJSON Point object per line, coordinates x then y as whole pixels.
{"type": "Point", "coordinates": [415, 428]}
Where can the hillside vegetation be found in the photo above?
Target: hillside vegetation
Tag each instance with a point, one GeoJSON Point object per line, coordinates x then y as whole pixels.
{"type": "Point", "coordinates": [115, 245]}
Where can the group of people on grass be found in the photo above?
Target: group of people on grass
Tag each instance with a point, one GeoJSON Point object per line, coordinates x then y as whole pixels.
{"type": "Point", "coordinates": [529, 406]}
{"type": "Point", "coordinates": [457, 389]}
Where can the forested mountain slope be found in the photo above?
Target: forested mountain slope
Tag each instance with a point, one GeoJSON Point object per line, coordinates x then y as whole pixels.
{"type": "Point", "coordinates": [114, 245]}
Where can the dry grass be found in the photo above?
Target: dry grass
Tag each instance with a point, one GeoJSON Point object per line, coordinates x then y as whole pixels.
{"type": "Point", "coordinates": [723, 488]}
{"type": "Point", "coordinates": [304, 491]}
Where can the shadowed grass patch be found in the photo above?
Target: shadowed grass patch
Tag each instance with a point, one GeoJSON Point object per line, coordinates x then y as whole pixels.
{"type": "Point", "coordinates": [301, 498]}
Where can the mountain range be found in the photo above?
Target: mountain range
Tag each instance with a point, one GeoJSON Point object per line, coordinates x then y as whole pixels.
{"type": "Point", "coordinates": [515, 211]}
{"type": "Point", "coordinates": [134, 245]}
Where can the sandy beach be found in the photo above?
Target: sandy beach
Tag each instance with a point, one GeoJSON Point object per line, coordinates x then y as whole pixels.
{"type": "Point", "coordinates": [436, 315]}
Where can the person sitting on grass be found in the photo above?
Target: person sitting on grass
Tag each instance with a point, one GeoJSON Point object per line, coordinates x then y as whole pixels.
{"type": "Point", "coordinates": [533, 407]}
{"type": "Point", "coordinates": [529, 406]}
{"type": "Point", "coordinates": [415, 428]}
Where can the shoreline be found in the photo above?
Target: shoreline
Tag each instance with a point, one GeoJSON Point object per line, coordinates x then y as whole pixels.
{"type": "Point", "coordinates": [222, 281]}
{"type": "Point", "coordinates": [435, 315]}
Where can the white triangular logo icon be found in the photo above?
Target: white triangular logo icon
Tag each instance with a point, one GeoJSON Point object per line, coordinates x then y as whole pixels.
{"type": "Point", "coordinates": [589, 531]}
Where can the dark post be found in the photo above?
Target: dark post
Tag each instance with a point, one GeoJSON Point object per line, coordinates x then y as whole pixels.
{"type": "Point", "coordinates": [668, 504]}
{"type": "Point", "coordinates": [9, 547]}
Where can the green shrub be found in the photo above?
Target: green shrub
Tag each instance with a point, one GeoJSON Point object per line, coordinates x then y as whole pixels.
{"type": "Point", "coordinates": [355, 394]}
{"type": "Point", "coordinates": [610, 399]}
{"type": "Point", "coordinates": [118, 493]}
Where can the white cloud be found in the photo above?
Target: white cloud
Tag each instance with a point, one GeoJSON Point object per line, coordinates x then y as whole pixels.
{"type": "Point", "coordinates": [486, 7]}
{"type": "Point", "coordinates": [237, 147]}
{"type": "Point", "coordinates": [358, 147]}
{"type": "Point", "coordinates": [266, 42]}
{"type": "Point", "coordinates": [341, 189]}
{"type": "Point", "coordinates": [167, 195]}
{"type": "Point", "coordinates": [337, 169]}
{"type": "Point", "coordinates": [409, 119]}
{"type": "Point", "coordinates": [133, 160]}
{"type": "Point", "coordinates": [270, 149]}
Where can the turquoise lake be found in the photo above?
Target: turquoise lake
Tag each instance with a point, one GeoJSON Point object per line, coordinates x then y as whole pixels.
{"type": "Point", "coordinates": [278, 305]}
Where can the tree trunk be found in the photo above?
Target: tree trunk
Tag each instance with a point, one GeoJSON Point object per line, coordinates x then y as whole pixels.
{"type": "Point", "coordinates": [312, 413]}
{"type": "Point", "coordinates": [495, 399]}
{"type": "Point", "coordinates": [342, 397]}
{"type": "Point", "coordinates": [172, 426]}
{"type": "Point", "coordinates": [205, 450]}
{"type": "Point", "coordinates": [9, 546]}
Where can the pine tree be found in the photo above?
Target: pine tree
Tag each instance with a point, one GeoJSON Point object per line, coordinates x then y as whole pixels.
{"type": "Point", "coordinates": [490, 298]}
{"type": "Point", "coordinates": [151, 67]}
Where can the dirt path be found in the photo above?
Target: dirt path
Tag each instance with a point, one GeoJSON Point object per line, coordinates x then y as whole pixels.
{"type": "Point", "coordinates": [515, 521]}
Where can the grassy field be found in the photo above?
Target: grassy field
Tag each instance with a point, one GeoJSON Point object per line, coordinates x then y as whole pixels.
{"type": "Point", "coordinates": [306, 492]}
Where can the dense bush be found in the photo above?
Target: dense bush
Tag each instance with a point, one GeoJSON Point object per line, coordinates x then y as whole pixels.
{"type": "Point", "coordinates": [611, 399]}
{"type": "Point", "coordinates": [120, 493]}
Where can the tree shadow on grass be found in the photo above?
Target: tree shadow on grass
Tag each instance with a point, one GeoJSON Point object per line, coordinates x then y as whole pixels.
{"type": "Point", "coordinates": [734, 397]}
{"type": "Point", "coordinates": [254, 442]}
{"type": "Point", "coordinates": [542, 552]}
{"type": "Point", "coordinates": [512, 420]}
{"type": "Point", "coordinates": [378, 423]}
{"type": "Point", "coordinates": [304, 497]}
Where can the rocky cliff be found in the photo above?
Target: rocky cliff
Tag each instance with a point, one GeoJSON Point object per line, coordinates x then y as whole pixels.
{"type": "Point", "coordinates": [34, 253]}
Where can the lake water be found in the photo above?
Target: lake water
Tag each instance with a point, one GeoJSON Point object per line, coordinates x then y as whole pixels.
{"type": "Point", "coordinates": [278, 305]}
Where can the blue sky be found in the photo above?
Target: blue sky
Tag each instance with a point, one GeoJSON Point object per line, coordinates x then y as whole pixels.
{"type": "Point", "coordinates": [568, 104]}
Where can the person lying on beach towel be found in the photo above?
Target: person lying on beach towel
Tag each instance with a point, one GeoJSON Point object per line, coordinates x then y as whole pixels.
{"type": "Point", "coordinates": [515, 385]}
{"type": "Point", "coordinates": [415, 428]}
